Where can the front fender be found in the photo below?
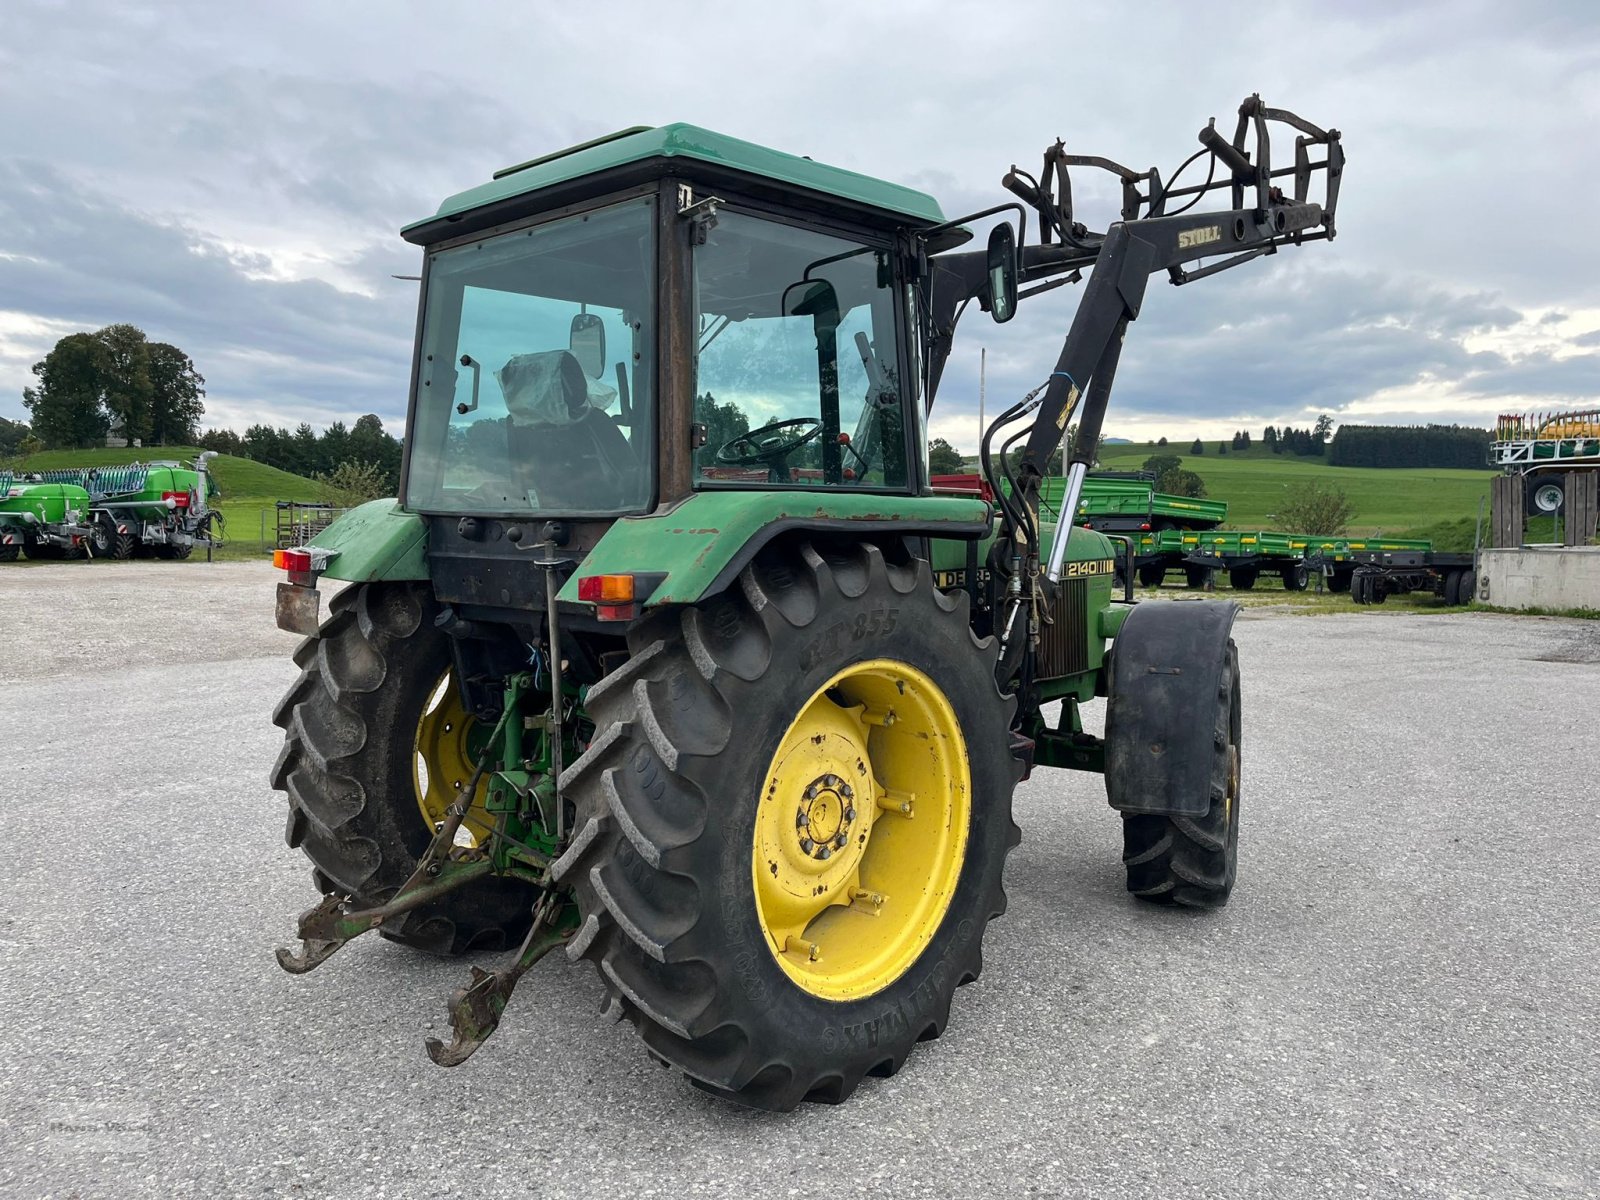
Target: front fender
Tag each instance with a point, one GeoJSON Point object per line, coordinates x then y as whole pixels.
{"type": "Point", "coordinates": [701, 544]}
{"type": "Point", "coordinates": [378, 541]}
{"type": "Point", "coordinates": [1166, 665]}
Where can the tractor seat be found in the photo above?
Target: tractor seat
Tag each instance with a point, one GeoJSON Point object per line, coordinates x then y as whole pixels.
{"type": "Point", "coordinates": [570, 455]}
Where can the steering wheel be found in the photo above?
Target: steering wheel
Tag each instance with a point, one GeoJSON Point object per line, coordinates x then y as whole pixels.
{"type": "Point", "coordinates": [767, 446]}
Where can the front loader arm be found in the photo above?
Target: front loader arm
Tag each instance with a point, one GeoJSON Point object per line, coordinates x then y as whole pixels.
{"type": "Point", "coordinates": [1260, 217]}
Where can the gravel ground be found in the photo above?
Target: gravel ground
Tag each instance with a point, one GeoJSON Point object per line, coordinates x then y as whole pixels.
{"type": "Point", "coordinates": [1400, 1000]}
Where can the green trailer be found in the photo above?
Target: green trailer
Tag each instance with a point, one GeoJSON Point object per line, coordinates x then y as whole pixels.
{"type": "Point", "coordinates": [159, 508]}
{"type": "Point", "coordinates": [1115, 502]}
{"type": "Point", "coordinates": [42, 519]}
{"type": "Point", "coordinates": [1371, 568]}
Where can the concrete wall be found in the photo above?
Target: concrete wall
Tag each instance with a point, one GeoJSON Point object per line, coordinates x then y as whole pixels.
{"type": "Point", "coordinates": [1558, 577]}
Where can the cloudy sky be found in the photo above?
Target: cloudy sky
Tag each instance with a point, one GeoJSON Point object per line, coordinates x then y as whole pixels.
{"type": "Point", "coordinates": [231, 178]}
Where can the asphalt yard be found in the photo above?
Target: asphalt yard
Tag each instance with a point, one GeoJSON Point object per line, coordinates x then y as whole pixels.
{"type": "Point", "coordinates": [1399, 1000]}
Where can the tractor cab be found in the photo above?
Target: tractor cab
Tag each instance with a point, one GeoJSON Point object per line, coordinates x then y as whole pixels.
{"type": "Point", "coordinates": [666, 311]}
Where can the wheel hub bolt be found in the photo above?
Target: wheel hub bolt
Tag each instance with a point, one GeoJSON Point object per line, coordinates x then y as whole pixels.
{"type": "Point", "coordinates": [807, 845]}
{"type": "Point", "coordinates": [841, 840]}
{"type": "Point", "coordinates": [825, 853]}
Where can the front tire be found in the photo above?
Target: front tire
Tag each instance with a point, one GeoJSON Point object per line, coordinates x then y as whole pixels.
{"type": "Point", "coordinates": [697, 806]}
{"type": "Point", "coordinates": [348, 766]}
{"type": "Point", "coordinates": [1193, 861]}
{"type": "Point", "coordinates": [1242, 579]}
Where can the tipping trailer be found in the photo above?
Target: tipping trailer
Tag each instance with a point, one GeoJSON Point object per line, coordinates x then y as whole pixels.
{"type": "Point", "coordinates": [1127, 502]}
{"type": "Point", "coordinates": [734, 710]}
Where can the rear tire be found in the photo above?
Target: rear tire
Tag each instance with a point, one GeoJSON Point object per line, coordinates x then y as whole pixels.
{"type": "Point", "coordinates": [173, 552]}
{"type": "Point", "coordinates": [1196, 577]}
{"type": "Point", "coordinates": [1193, 861]}
{"type": "Point", "coordinates": [1296, 577]}
{"type": "Point", "coordinates": [1546, 493]}
{"type": "Point", "coordinates": [348, 768]}
{"type": "Point", "coordinates": [9, 553]}
{"type": "Point", "coordinates": [672, 798]}
{"type": "Point", "coordinates": [1152, 576]}
{"type": "Point", "coordinates": [1339, 581]}
{"type": "Point", "coordinates": [108, 543]}
{"type": "Point", "coordinates": [1242, 579]}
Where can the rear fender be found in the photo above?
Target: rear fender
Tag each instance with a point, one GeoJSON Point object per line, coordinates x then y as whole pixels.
{"type": "Point", "coordinates": [1166, 666]}
{"type": "Point", "coordinates": [699, 546]}
{"type": "Point", "coordinates": [379, 541]}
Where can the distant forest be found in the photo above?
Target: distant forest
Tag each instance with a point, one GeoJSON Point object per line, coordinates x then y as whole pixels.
{"type": "Point", "coordinates": [1409, 446]}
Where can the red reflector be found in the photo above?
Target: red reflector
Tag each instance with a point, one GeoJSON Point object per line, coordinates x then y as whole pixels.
{"type": "Point", "coordinates": [616, 612]}
{"type": "Point", "coordinates": [1146, 528]}
{"type": "Point", "coordinates": [179, 499]}
{"type": "Point", "coordinates": [292, 560]}
{"type": "Point", "coordinates": [844, 439]}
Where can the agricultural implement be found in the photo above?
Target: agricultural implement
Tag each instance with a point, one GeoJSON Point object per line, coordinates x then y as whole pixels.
{"type": "Point", "coordinates": [670, 657]}
{"type": "Point", "coordinates": [162, 508]}
{"type": "Point", "coordinates": [1544, 448]}
{"type": "Point", "coordinates": [1127, 502]}
{"type": "Point", "coordinates": [42, 519]}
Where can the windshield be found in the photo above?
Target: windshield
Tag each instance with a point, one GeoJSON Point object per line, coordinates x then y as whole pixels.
{"type": "Point", "coordinates": [797, 375]}
{"type": "Point", "coordinates": [533, 393]}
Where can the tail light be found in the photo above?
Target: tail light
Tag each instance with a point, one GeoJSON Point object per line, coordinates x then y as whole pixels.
{"type": "Point", "coordinates": [303, 563]}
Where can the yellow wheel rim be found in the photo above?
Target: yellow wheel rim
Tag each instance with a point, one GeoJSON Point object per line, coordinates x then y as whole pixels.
{"type": "Point", "coordinates": [442, 761]}
{"type": "Point", "coordinates": [861, 830]}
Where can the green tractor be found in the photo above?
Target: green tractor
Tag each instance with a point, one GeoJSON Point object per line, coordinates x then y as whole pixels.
{"type": "Point", "coordinates": [669, 655]}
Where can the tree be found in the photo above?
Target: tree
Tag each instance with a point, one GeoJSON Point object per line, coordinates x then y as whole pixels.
{"type": "Point", "coordinates": [1269, 438]}
{"type": "Point", "coordinates": [1198, 447]}
{"type": "Point", "coordinates": [127, 389]}
{"type": "Point", "coordinates": [1244, 443]}
{"type": "Point", "coordinates": [175, 402]}
{"type": "Point", "coordinates": [1159, 464]}
{"type": "Point", "coordinates": [371, 443]}
{"type": "Point", "coordinates": [352, 483]}
{"type": "Point", "coordinates": [1161, 442]}
{"type": "Point", "coordinates": [723, 423]}
{"type": "Point", "coordinates": [1324, 428]}
{"type": "Point", "coordinates": [67, 405]}
{"type": "Point", "coordinates": [12, 434]}
{"type": "Point", "coordinates": [943, 458]}
{"type": "Point", "coordinates": [150, 391]}
{"type": "Point", "coordinates": [223, 441]}
{"type": "Point", "coordinates": [1222, 447]}
{"type": "Point", "coordinates": [1171, 478]}
{"type": "Point", "coordinates": [1314, 507]}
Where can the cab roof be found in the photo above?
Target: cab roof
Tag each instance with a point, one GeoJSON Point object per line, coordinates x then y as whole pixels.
{"type": "Point", "coordinates": [615, 153]}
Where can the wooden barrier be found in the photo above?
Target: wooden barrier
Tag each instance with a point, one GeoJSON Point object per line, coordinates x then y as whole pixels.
{"type": "Point", "coordinates": [1506, 498]}
{"type": "Point", "coordinates": [1581, 507]}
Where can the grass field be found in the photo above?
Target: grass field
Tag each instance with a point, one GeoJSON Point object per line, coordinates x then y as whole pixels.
{"type": "Point", "coordinates": [1441, 505]}
{"type": "Point", "coordinates": [249, 489]}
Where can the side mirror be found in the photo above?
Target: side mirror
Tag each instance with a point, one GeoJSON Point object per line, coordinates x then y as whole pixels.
{"type": "Point", "coordinates": [587, 341]}
{"type": "Point", "coordinates": [1002, 272]}
{"type": "Point", "coordinates": [817, 300]}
